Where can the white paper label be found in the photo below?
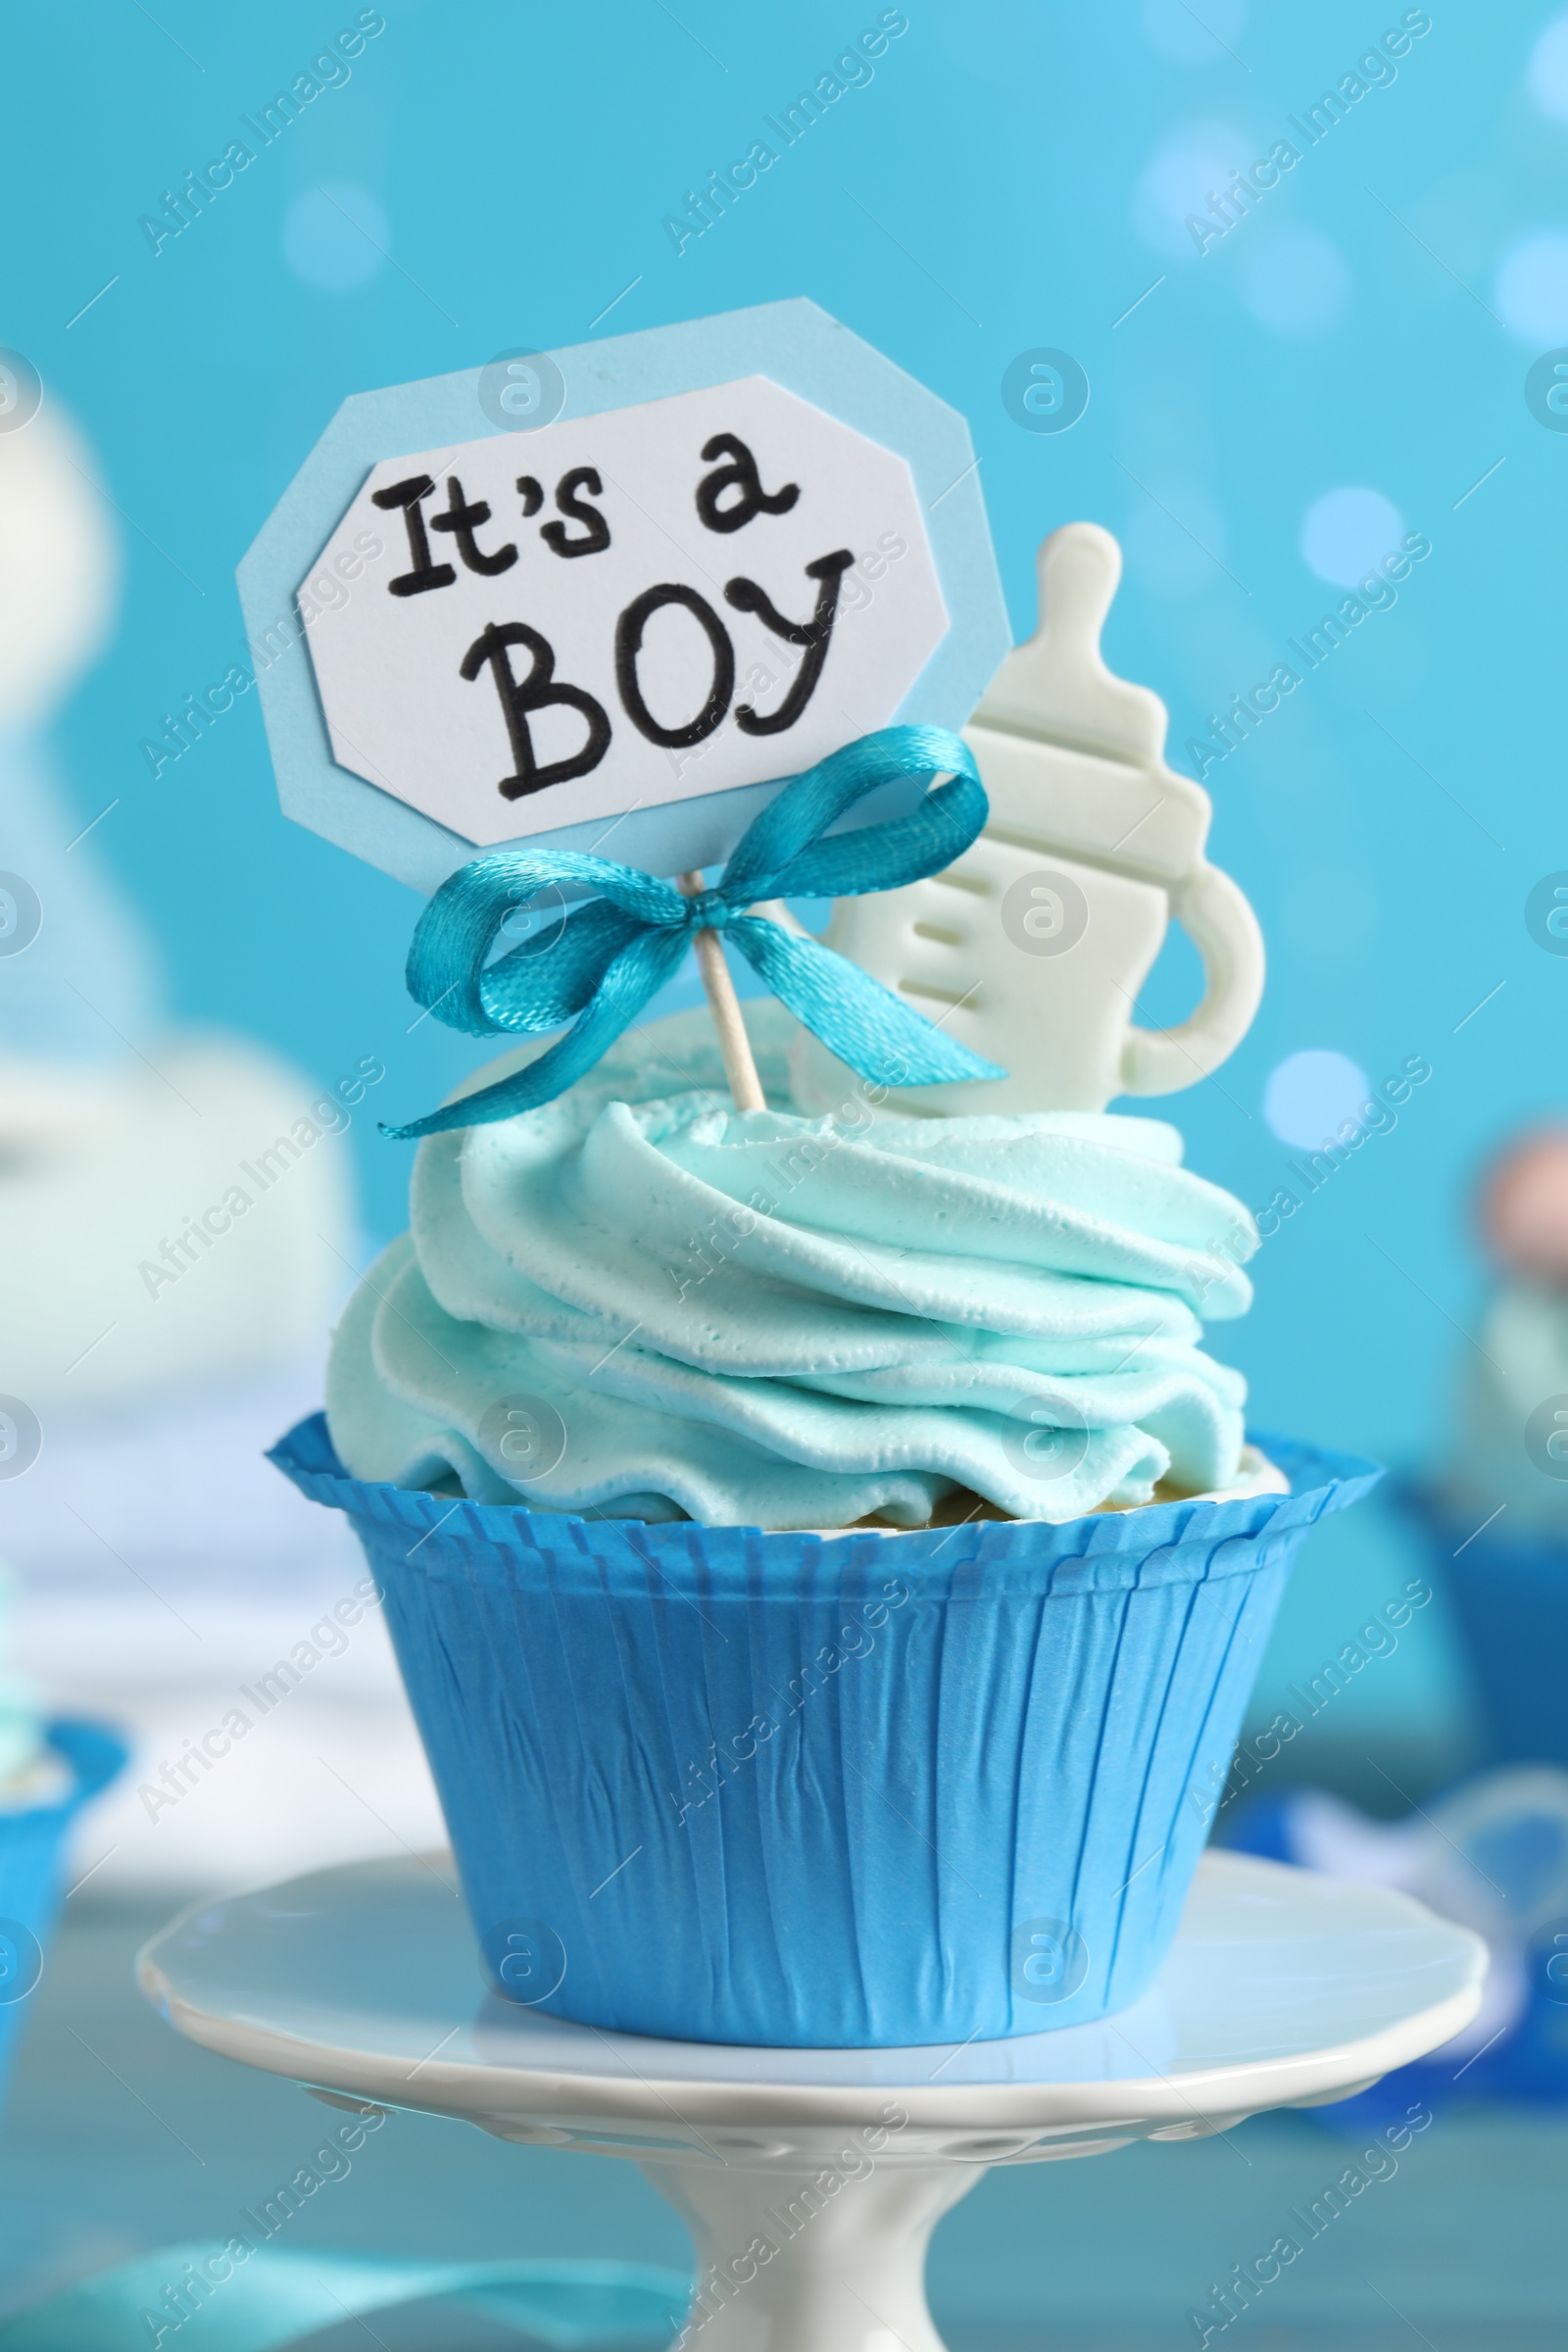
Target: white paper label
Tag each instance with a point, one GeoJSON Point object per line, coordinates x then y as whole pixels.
{"type": "Point", "coordinates": [622, 612]}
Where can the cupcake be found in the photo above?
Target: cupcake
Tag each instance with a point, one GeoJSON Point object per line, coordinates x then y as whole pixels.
{"type": "Point", "coordinates": [1496, 1511]}
{"type": "Point", "coordinates": [47, 1772]}
{"type": "Point", "coordinates": [827, 1571]}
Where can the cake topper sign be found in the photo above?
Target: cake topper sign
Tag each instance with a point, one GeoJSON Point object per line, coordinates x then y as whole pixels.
{"type": "Point", "coordinates": [626, 610]}
{"type": "Point", "coordinates": [727, 550]}
{"type": "Point", "coordinates": [695, 600]}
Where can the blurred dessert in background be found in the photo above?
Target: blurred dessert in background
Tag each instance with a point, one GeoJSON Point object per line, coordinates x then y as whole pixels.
{"type": "Point", "coordinates": [1514, 1440]}
{"type": "Point", "coordinates": [132, 1264]}
{"type": "Point", "coordinates": [180, 1227]}
{"type": "Point", "coordinates": [1495, 1508]}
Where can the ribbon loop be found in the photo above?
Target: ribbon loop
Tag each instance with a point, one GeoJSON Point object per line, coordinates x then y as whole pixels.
{"type": "Point", "coordinates": [600, 969]}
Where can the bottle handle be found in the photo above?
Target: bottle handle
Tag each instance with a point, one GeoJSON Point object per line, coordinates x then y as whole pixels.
{"type": "Point", "coordinates": [1223, 928]}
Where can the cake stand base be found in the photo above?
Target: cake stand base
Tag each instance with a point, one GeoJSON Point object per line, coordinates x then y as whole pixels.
{"type": "Point", "coordinates": [783, 2267]}
{"type": "Point", "coordinates": [811, 2179]}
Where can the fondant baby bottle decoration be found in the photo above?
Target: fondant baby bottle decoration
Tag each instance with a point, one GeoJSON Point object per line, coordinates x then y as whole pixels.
{"type": "Point", "coordinates": [1032, 948]}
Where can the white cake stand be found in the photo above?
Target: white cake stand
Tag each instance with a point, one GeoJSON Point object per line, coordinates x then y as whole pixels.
{"type": "Point", "coordinates": [812, 2179]}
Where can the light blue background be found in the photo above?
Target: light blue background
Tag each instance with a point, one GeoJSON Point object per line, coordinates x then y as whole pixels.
{"type": "Point", "coordinates": [993, 188]}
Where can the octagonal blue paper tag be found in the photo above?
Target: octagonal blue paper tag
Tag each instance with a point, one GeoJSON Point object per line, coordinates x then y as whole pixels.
{"type": "Point", "coordinates": [607, 597]}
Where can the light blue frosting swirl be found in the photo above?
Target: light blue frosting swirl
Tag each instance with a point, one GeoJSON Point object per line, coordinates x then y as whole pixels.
{"type": "Point", "coordinates": [636, 1301]}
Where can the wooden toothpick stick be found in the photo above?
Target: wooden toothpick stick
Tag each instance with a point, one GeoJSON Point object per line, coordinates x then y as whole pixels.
{"type": "Point", "coordinates": [722, 1003]}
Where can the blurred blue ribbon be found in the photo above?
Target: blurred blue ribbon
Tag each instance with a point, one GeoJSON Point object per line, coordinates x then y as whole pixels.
{"type": "Point", "coordinates": [619, 951]}
{"type": "Point", "coordinates": [218, 2296]}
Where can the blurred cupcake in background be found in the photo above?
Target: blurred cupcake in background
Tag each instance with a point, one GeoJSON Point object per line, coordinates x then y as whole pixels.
{"type": "Point", "coordinates": [1497, 1509]}
{"type": "Point", "coordinates": [132, 1270]}
{"type": "Point", "coordinates": [181, 1223]}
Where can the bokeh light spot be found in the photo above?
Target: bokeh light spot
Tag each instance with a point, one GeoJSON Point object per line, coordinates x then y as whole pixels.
{"type": "Point", "coordinates": [1196, 160]}
{"type": "Point", "coordinates": [1548, 70]}
{"type": "Point", "coordinates": [1310, 1095]}
{"type": "Point", "coordinates": [1531, 289]}
{"type": "Point", "coordinates": [1346, 532]}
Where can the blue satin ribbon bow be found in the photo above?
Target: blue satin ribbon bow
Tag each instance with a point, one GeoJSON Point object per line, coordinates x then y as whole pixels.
{"type": "Point", "coordinates": [218, 2296]}
{"type": "Point", "coordinates": [610, 957]}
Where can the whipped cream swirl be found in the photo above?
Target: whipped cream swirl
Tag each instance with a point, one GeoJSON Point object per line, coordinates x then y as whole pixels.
{"type": "Point", "coordinates": [638, 1302]}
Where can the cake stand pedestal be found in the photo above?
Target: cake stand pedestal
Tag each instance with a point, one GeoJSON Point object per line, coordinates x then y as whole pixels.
{"type": "Point", "coordinates": [811, 2179]}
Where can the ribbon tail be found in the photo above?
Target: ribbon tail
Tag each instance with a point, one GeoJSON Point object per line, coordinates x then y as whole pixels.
{"type": "Point", "coordinates": [638, 972]}
{"type": "Point", "coordinates": [217, 2295]}
{"type": "Point", "coordinates": [856, 1017]}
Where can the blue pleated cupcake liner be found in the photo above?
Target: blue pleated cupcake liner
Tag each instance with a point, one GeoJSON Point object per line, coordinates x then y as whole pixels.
{"type": "Point", "coordinates": [1509, 1587]}
{"type": "Point", "coordinates": [857, 1790]}
{"type": "Point", "coordinates": [31, 1847]}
